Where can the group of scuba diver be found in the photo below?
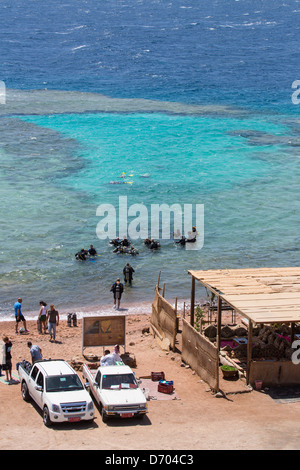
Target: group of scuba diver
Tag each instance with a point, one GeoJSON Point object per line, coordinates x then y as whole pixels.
{"type": "Point", "coordinates": [125, 247]}
{"type": "Point", "coordinates": [83, 254]}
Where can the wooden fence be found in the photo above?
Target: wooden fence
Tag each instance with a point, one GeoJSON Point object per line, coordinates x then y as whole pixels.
{"type": "Point", "coordinates": [200, 354]}
{"type": "Point", "coordinates": [164, 319]}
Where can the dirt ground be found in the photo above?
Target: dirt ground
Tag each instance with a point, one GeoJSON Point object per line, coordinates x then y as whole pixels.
{"type": "Point", "coordinates": [197, 420]}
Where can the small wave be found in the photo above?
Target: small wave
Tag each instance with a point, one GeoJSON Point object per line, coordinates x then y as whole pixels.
{"type": "Point", "coordinates": [79, 47]}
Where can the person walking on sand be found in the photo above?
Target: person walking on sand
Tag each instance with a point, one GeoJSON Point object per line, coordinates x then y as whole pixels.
{"type": "Point", "coordinates": [117, 289]}
{"type": "Point", "coordinates": [6, 360]}
{"type": "Point", "coordinates": [43, 316]}
{"type": "Point", "coordinates": [128, 271]}
{"type": "Point", "coordinates": [19, 316]}
{"type": "Point", "coordinates": [35, 352]}
{"type": "Point", "coordinates": [53, 321]}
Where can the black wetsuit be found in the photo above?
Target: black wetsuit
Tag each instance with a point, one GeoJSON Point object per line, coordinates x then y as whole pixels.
{"type": "Point", "coordinates": [128, 271]}
{"type": "Point", "coordinates": [81, 255]}
{"type": "Point", "coordinates": [117, 289]}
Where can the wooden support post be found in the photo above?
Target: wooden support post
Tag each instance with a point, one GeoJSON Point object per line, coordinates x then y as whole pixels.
{"type": "Point", "coordinates": [219, 323]}
{"type": "Point", "coordinates": [249, 350]}
{"type": "Point", "coordinates": [193, 301]}
{"type": "Point", "coordinates": [158, 279]}
{"type": "Point", "coordinates": [183, 310]}
{"type": "Point", "coordinates": [164, 288]}
{"type": "Point", "coordinates": [176, 305]}
{"type": "Point", "coordinates": [292, 332]}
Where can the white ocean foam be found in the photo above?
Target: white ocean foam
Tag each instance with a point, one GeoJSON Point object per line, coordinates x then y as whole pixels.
{"type": "Point", "coordinates": [79, 47]}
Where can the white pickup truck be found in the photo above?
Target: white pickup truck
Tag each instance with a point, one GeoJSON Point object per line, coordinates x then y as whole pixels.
{"type": "Point", "coordinates": [116, 391]}
{"type": "Point", "coordinates": [57, 390]}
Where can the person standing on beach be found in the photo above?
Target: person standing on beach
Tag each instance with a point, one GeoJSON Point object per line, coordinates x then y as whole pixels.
{"type": "Point", "coordinates": [117, 289]}
{"type": "Point", "coordinates": [19, 316]}
{"type": "Point", "coordinates": [53, 321]}
{"type": "Point", "coordinates": [6, 361]}
{"type": "Point", "coordinates": [128, 271]}
{"type": "Point", "coordinates": [43, 316]}
{"type": "Point", "coordinates": [35, 351]}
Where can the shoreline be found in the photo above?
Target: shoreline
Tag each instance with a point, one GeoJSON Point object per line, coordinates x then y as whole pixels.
{"type": "Point", "coordinates": [133, 308]}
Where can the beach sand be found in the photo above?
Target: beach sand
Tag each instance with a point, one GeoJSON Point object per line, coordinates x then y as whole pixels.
{"type": "Point", "coordinates": [196, 419]}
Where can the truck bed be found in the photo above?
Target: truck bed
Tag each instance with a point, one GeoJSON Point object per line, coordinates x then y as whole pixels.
{"type": "Point", "coordinates": [90, 369]}
{"type": "Point", "coordinates": [25, 366]}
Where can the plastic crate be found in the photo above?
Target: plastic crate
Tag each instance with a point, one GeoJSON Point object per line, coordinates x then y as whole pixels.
{"type": "Point", "coordinates": [156, 376]}
{"type": "Point", "coordinates": [165, 387]}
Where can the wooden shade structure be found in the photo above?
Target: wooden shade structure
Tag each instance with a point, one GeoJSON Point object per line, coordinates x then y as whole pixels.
{"type": "Point", "coordinates": [263, 295]}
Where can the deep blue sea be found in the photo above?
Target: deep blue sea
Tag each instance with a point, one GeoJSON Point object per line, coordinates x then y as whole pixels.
{"type": "Point", "coordinates": [189, 100]}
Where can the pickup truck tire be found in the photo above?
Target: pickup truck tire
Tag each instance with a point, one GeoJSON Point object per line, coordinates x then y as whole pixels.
{"type": "Point", "coordinates": [104, 416]}
{"type": "Point", "coordinates": [25, 393]}
{"type": "Point", "coordinates": [46, 419]}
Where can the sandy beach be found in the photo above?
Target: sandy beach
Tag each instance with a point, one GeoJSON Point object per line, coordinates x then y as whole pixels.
{"type": "Point", "coordinates": [194, 420]}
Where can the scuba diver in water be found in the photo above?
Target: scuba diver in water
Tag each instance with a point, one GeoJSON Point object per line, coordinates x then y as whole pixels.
{"type": "Point", "coordinates": [192, 236]}
{"type": "Point", "coordinates": [125, 242]}
{"type": "Point", "coordinates": [126, 250]}
{"type": "Point", "coordinates": [128, 271]}
{"type": "Point", "coordinates": [182, 241]}
{"type": "Point", "coordinates": [81, 255]}
{"type": "Point", "coordinates": [115, 242]}
{"type": "Point", "coordinates": [133, 251]}
{"type": "Point", "coordinates": [92, 251]}
{"type": "Point", "coordinates": [154, 245]}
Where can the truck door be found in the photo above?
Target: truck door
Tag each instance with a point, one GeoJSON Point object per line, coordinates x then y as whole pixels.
{"type": "Point", "coordinates": [32, 379]}
{"type": "Point", "coordinates": [37, 394]}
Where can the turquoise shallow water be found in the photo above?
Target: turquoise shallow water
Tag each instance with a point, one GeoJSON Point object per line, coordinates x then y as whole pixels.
{"type": "Point", "coordinates": [58, 168]}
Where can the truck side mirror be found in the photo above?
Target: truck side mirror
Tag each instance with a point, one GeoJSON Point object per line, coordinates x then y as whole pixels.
{"type": "Point", "coordinates": [39, 388]}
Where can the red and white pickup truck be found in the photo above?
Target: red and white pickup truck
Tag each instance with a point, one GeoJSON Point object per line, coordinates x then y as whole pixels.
{"type": "Point", "coordinates": [116, 391]}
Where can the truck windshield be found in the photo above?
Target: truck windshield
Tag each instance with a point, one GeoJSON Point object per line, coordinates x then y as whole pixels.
{"type": "Point", "coordinates": [63, 383]}
{"type": "Point", "coordinates": [119, 381]}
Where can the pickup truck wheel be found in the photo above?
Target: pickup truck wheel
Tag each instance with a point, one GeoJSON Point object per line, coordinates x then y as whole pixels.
{"type": "Point", "coordinates": [25, 393]}
{"type": "Point", "coordinates": [104, 416]}
{"type": "Point", "coordinates": [46, 418]}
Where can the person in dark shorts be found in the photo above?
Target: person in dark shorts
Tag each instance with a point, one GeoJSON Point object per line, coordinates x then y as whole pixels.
{"type": "Point", "coordinates": [6, 365]}
{"type": "Point", "coordinates": [117, 289]}
{"type": "Point", "coordinates": [43, 316]}
{"type": "Point", "coordinates": [19, 316]}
